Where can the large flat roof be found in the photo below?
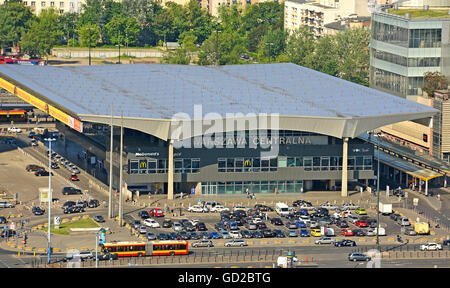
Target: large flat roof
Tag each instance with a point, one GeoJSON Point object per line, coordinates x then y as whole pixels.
{"type": "Point", "coordinates": [159, 91]}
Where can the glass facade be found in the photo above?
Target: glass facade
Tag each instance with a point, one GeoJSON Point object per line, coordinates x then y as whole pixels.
{"type": "Point", "coordinates": [390, 34]}
{"type": "Point", "coordinates": [390, 81]}
{"type": "Point", "coordinates": [240, 187]}
{"type": "Point", "coordinates": [160, 166]}
{"type": "Point", "coordinates": [425, 38]}
{"type": "Point", "coordinates": [406, 62]}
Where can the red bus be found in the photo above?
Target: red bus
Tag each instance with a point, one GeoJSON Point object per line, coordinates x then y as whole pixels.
{"type": "Point", "coordinates": [139, 249]}
{"type": "Point", "coordinates": [10, 60]}
{"type": "Point", "coordinates": [13, 115]}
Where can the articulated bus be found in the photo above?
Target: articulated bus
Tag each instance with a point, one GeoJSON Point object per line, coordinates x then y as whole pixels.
{"type": "Point", "coordinates": [153, 248]}
{"type": "Point", "coordinates": [13, 115]}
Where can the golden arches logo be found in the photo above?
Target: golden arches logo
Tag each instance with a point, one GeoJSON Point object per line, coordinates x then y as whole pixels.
{"type": "Point", "coordinates": [248, 163]}
{"type": "Point", "coordinates": [142, 164]}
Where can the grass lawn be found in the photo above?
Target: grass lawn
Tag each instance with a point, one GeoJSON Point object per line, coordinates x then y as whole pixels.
{"type": "Point", "coordinates": [420, 13]}
{"type": "Point", "coordinates": [82, 223]}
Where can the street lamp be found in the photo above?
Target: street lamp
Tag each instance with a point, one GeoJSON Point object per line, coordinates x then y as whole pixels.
{"type": "Point", "coordinates": [50, 140]}
{"type": "Point", "coordinates": [378, 135]}
{"type": "Point", "coordinates": [270, 44]}
{"type": "Point", "coordinates": [217, 46]}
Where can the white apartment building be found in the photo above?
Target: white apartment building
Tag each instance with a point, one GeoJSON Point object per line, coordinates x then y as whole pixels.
{"type": "Point", "coordinates": [62, 6]}
{"type": "Point", "coordinates": [315, 14]}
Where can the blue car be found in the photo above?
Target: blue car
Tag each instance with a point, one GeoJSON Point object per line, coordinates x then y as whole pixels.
{"type": "Point", "coordinates": [304, 233]}
{"type": "Point", "coordinates": [214, 235]}
{"type": "Point", "coordinates": [304, 212]}
{"type": "Point", "coordinates": [301, 224]}
{"type": "Point", "coordinates": [233, 226]}
{"type": "Point", "coordinates": [172, 236]}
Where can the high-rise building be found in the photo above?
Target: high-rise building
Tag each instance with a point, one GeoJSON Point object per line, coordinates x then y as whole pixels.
{"type": "Point", "coordinates": [406, 43]}
{"type": "Point", "coordinates": [316, 14]}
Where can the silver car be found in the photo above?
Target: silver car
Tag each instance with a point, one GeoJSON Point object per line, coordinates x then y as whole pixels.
{"type": "Point", "coordinates": [236, 243]}
{"type": "Point", "coordinates": [324, 240]}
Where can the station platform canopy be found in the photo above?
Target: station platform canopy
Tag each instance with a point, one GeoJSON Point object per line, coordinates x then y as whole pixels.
{"type": "Point", "coordinates": [152, 96]}
{"type": "Point", "coordinates": [407, 167]}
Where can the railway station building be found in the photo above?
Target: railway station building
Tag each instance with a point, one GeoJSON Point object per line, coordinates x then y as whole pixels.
{"type": "Point", "coordinates": [260, 128]}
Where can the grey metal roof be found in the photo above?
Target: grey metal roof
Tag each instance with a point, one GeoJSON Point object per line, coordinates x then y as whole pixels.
{"type": "Point", "coordinates": [159, 91]}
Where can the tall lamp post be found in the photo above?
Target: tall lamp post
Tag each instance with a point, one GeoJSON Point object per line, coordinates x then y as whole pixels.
{"type": "Point", "coordinates": [378, 135]}
{"type": "Point", "coordinates": [49, 249]}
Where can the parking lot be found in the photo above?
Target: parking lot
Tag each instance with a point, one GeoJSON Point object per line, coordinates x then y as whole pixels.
{"type": "Point", "coordinates": [296, 234]}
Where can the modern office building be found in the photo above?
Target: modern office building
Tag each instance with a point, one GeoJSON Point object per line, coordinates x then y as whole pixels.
{"type": "Point", "coordinates": [405, 44]}
{"type": "Point", "coordinates": [268, 128]}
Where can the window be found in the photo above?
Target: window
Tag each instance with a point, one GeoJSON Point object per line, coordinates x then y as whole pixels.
{"type": "Point", "coordinates": [325, 162]}
{"type": "Point", "coordinates": [42, 4]}
{"type": "Point", "coordinates": [61, 4]}
{"type": "Point", "coordinates": [133, 166]}
{"type": "Point", "coordinates": [222, 164]}
{"type": "Point", "coordinates": [152, 166]}
{"type": "Point", "coordinates": [195, 165]}
{"type": "Point", "coordinates": [33, 3]}
{"type": "Point", "coordinates": [52, 4]}
{"type": "Point", "coordinates": [178, 165]}
{"type": "Point", "coordinates": [307, 163]}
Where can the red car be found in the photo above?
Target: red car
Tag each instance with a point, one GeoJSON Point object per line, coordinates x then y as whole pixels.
{"type": "Point", "coordinates": [361, 223]}
{"type": "Point", "coordinates": [74, 177]}
{"type": "Point", "coordinates": [347, 232]}
{"type": "Point", "coordinates": [156, 212]}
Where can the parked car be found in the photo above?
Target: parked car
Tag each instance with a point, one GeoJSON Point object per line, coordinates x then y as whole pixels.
{"type": "Point", "coordinates": [410, 232]}
{"type": "Point", "coordinates": [403, 221]}
{"type": "Point", "coordinates": [316, 233]}
{"type": "Point", "coordinates": [256, 234]}
{"type": "Point", "coordinates": [71, 191]}
{"type": "Point", "coordinates": [219, 208]}
{"type": "Point", "coordinates": [197, 209]}
{"type": "Point", "coordinates": [33, 168]}
{"type": "Point", "coordinates": [151, 236]}
{"type": "Point", "coordinates": [224, 234]}
{"type": "Point", "coordinates": [182, 235]}
{"type": "Point", "coordinates": [430, 247]}
{"type": "Point", "coordinates": [279, 233]}
{"type": "Point", "coordinates": [8, 233]}
{"type": "Point", "coordinates": [347, 232]}
{"type": "Point", "coordinates": [36, 210]}
{"type": "Point", "coordinates": [292, 233]}
{"type": "Point", "coordinates": [304, 233]}
{"type": "Point", "coordinates": [142, 229]}
{"type": "Point", "coordinates": [358, 232]}
{"type": "Point", "coordinates": [276, 221]}
{"type": "Point", "coordinates": [350, 206]}
{"type": "Point", "coordinates": [358, 257]}
{"type": "Point", "coordinates": [67, 204]}
{"type": "Point", "coordinates": [263, 208]}
{"type": "Point", "coordinates": [151, 223]}
{"type": "Point", "coordinates": [14, 130]}
{"type": "Point", "coordinates": [236, 242]}
{"type": "Point", "coordinates": [42, 173]}
{"type": "Point", "coordinates": [360, 211]}
{"type": "Point", "coordinates": [73, 209]}
{"type": "Point", "coordinates": [200, 226]}
{"type": "Point", "coordinates": [74, 177]}
{"type": "Point", "coordinates": [291, 225]}
{"type": "Point", "coordinates": [172, 235]}
{"type": "Point", "coordinates": [235, 234]}
{"type": "Point", "coordinates": [214, 235]}
{"type": "Point", "coordinates": [202, 243]}
{"type": "Point", "coordinates": [352, 218]}
{"type": "Point", "coordinates": [361, 223]}
{"type": "Point", "coordinates": [166, 223]}
{"type": "Point", "coordinates": [162, 236]}
{"type": "Point", "coordinates": [345, 242]}
{"type": "Point", "coordinates": [3, 220]}
{"type": "Point", "coordinates": [156, 212]}
{"type": "Point", "coordinates": [83, 255]}
{"type": "Point", "coordinates": [329, 206]}
{"type": "Point", "coordinates": [324, 240]}
{"type": "Point", "coordinates": [251, 226]}
{"type": "Point", "coordinates": [93, 203]}
{"type": "Point", "coordinates": [99, 218]}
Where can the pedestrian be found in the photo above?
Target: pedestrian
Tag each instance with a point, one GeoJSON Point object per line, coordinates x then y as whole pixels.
{"type": "Point", "coordinates": [253, 196]}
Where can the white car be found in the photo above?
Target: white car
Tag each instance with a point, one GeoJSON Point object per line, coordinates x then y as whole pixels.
{"type": "Point", "coordinates": [235, 234]}
{"type": "Point", "coordinates": [177, 227]}
{"type": "Point", "coordinates": [197, 208]}
{"type": "Point", "coordinates": [351, 206]}
{"type": "Point", "coordinates": [219, 208]}
{"type": "Point", "coordinates": [239, 207]}
{"type": "Point", "coordinates": [431, 247]}
{"type": "Point", "coordinates": [307, 207]}
{"type": "Point", "coordinates": [151, 223]}
{"type": "Point", "coordinates": [194, 221]}
{"type": "Point", "coordinates": [329, 206]}
{"type": "Point", "coordinates": [14, 130]}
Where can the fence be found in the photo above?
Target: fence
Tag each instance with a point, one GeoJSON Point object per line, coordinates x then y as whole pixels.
{"type": "Point", "coordinates": [203, 257]}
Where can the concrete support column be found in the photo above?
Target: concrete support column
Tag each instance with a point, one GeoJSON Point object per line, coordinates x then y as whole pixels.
{"type": "Point", "coordinates": [332, 184]}
{"type": "Point", "coordinates": [344, 192]}
{"type": "Point", "coordinates": [426, 187]}
{"type": "Point", "coordinates": [198, 188]}
{"type": "Point", "coordinates": [170, 172]}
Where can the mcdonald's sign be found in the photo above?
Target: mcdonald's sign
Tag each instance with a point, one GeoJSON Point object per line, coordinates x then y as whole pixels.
{"type": "Point", "coordinates": [247, 163]}
{"type": "Point", "coordinates": [142, 164]}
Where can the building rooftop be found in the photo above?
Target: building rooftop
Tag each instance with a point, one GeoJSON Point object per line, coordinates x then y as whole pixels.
{"type": "Point", "coordinates": [419, 13]}
{"type": "Point", "coordinates": [160, 91]}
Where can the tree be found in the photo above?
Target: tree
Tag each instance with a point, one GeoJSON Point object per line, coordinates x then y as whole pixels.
{"type": "Point", "coordinates": [179, 56]}
{"type": "Point", "coordinates": [227, 46]}
{"type": "Point", "coordinates": [89, 35]}
{"type": "Point", "coordinates": [273, 44]}
{"type": "Point", "coordinates": [122, 30]}
{"type": "Point", "coordinates": [67, 24]}
{"type": "Point", "coordinates": [43, 34]}
{"type": "Point", "coordinates": [353, 55]}
{"type": "Point", "coordinates": [144, 11]}
{"type": "Point", "coordinates": [325, 58]}
{"type": "Point", "coordinates": [300, 47]}
{"type": "Point", "coordinates": [434, 81]}
{"type": "Point", "coordinates": [15, 19]}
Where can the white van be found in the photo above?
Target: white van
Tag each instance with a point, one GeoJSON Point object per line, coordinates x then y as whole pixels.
{"type": "Point", "coordinates": [6, 204]}
{"type": "Point", "coordinates": [282, 209]}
